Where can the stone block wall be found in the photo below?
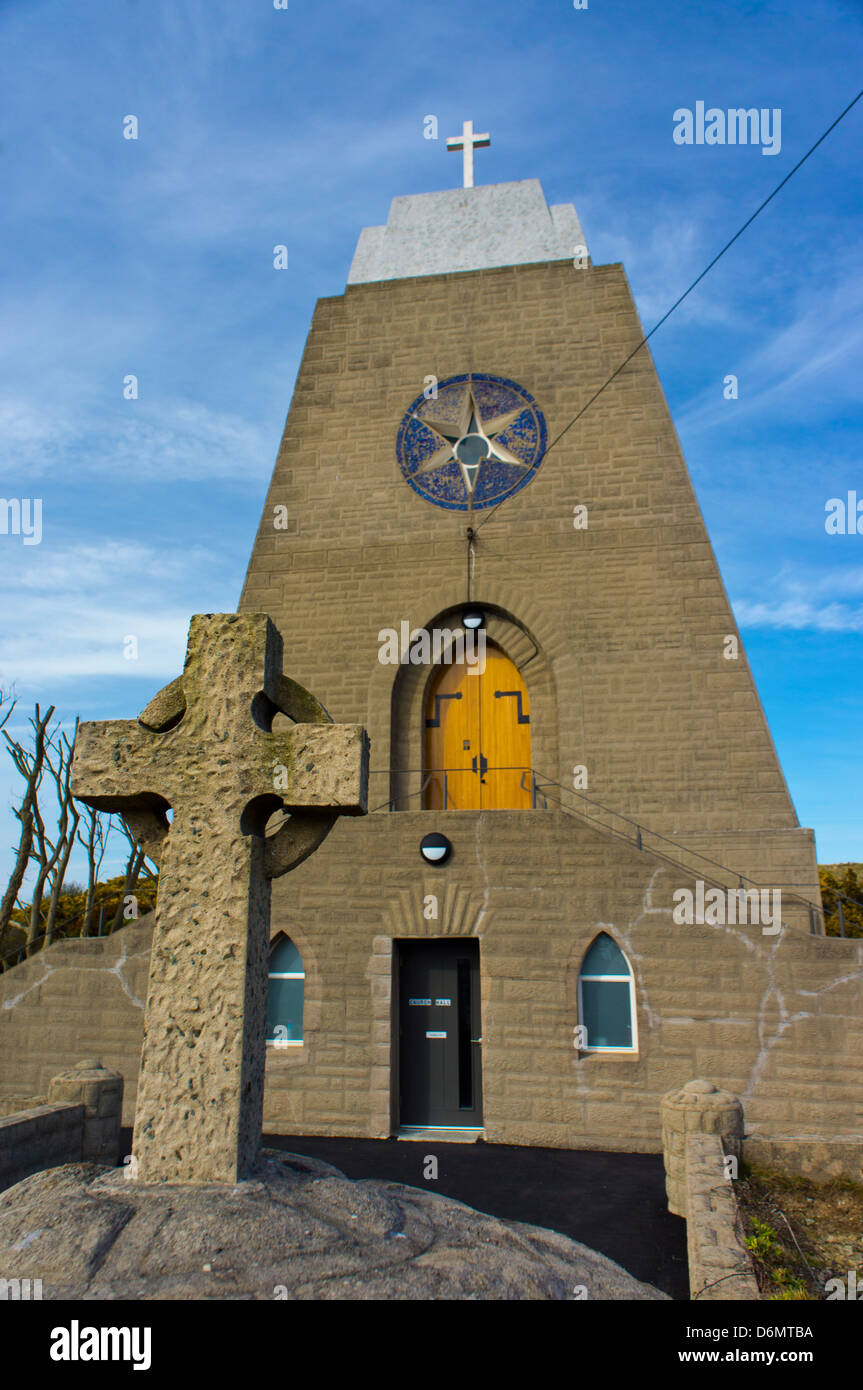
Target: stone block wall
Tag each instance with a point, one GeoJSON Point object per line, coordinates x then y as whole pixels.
{"type": "Point", "coordinates": [100, 1091]}
{"type": "Point", "coordinates": [818, 1159]}
{"type": "Point", "coordinates": [42, 1137]}
{"type": "Point", "coordinates": [76, 999]}
{"type": "Point", "coordinates": [719, 1263]}
{"type": "Point", "coordinates": [79, 1123]}
{"type": "Point", "coordinates": [702, 1129]}
{"type": "Point", "coordinates": [629, 617]}
{"type": "Point", "coordinates": [698, 1108]}
{"type": "Point", "coordinates": [776, 1020]}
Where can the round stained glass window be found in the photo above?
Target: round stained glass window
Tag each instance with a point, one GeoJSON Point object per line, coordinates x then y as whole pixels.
{"type": "Point", "coordinates": [471, 442]}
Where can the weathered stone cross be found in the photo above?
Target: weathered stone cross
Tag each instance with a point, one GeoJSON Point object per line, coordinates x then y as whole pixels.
{"type": "Point", "coordinates": [204, 748]}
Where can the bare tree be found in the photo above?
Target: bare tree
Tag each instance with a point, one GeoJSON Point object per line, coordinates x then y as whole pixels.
{"type": "Point", "coordinates": [50, 852]}
{"type": "Point", "coordinates": [45, 854]}
{"type": "Point", "coordinates": [7, 704]}
{"type": "Point", "coordinates": [31, 767]}
{"type": "Point", "coordinates": [67, 825]}
{"type": "Point", "coordinates": [48, 837]}
{"type": "Point", "coordinates": [95, 841]}
{"type": "Point", "coordinates": [135, 864]}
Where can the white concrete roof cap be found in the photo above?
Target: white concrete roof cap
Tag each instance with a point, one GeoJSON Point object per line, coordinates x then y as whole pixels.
{"type": "Point", "coordinates": [480, 228]}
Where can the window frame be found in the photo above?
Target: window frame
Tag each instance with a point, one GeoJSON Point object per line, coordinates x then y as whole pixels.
{"type": "Point", "coordinates": [282, 1043]}
{"type": "Point", "coordinates": [611, 979]}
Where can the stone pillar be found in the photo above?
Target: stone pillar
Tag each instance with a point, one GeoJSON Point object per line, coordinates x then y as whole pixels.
{"type": "Point", "coordinates": [699, 1108]}
{"type": "Point", "coordinates": [100, 1092]}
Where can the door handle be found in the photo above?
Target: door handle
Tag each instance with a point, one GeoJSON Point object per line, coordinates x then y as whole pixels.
{"type": "Point", "coordinates": [516, 695]}
{"type": "Point", "coordinates": [483, 767]}
{"type": "Point", "coordinates": [434, 722]}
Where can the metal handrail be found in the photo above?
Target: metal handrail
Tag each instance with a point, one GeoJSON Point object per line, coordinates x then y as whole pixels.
{"type": "Point", "coordinates": [715, 882]}
{"type": "Point", "coordinates": [537, 789]}
{"type": "Point", "coordinates": [840, 899]}
{"type": "Point", "coordinates": [539, 785]}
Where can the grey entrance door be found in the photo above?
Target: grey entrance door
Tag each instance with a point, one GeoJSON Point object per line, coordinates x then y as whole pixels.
{"type": "Point", "coordinates": [440, 1067]}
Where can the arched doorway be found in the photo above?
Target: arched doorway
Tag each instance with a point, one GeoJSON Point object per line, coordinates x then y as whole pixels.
{"type": "Point", "coordinates": [477, 737]}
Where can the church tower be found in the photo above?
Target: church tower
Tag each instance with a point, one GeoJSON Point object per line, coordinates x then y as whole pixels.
{"type": "Point", "coordinates": [527, 616]}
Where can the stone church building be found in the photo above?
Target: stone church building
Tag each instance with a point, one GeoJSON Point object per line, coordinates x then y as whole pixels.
{"type": "Point", "coordinates": [567, 745]}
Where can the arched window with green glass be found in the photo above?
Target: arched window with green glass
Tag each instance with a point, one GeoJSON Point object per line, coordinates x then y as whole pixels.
{"type": "Point", "coordinates": [606, 998]}
{"type": "Point", "coordinates": [287, 984]}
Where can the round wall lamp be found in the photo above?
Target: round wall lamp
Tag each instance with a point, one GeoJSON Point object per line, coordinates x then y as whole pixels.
{"type": "Point", "coordinates": [472, 618]}
{"type": "Point", "coordinates": [435, 848]}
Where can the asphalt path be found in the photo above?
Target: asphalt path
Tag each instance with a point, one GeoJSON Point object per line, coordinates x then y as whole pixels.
{"type": "Point", "coordinates": [612, 1202]}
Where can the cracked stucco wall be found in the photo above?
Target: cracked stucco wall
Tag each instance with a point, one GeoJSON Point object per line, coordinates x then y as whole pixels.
{"type": "Point", "coordinates": [74, 1000]}
{"type": "Point", "coordinates": [778, 1020]}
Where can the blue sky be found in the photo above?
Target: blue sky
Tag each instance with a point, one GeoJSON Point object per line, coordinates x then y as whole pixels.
{"type": "Point", "coordinates": [260, 126]}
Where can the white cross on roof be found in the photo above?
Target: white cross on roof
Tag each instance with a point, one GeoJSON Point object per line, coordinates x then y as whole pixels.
{"type": "Point", "coordinates": [468, 142]}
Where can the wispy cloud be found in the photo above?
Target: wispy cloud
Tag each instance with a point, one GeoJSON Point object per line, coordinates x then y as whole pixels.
{"type": "Point", "coordinates": [810, 604]}
{"type": "Point", "coordinates": [663, 262]}
{"type": "Point", "coordinates": [805, 367]}
{"type": "Point", "coordinates": [799, 615]}
{"type": "Point", "coordinates": [76, 608]}
{"type": "Point", "coordinates": [177, 440]}
{"type": "Point", "coordinates": [260, 126]}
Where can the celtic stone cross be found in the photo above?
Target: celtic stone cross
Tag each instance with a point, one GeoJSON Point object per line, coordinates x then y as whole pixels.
{"type": "Point", "coordinates": [204, 748]}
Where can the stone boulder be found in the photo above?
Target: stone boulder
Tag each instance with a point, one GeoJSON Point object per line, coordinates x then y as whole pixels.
{"type": "Point", "coordinates": [299, 1230]}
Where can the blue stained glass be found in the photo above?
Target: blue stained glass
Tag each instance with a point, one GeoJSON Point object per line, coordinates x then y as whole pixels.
{"type": "Point", "coordinates": [493, 479]}
{"type": "Point", "coordinates": [497, 480]}
{"type": "Point", "coordinates": [606, 1013]}
{"type": "Point", "coordinates": [520, 438]}
{"type": "Point", "coordinates": [286, 959]}
{"type": "Point", "coordinates": [418, 443]}
{"type": "Point", "coordinates": [285, 1011]}
{"type": "Point", "coordinates": [494, 396]}
{"type": "Point", "coordinates": [285, 997]}
{"type": "Point", "coordinates": [605, 958]}
{"type": "Point", "coordinates": [471, 449]}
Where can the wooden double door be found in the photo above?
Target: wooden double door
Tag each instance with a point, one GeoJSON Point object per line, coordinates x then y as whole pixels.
{"type": "Point", "coordinates": [477, 737]}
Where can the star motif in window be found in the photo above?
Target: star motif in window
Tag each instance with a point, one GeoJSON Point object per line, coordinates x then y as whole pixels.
{"type": "Point", "coordinates": [471, 441]}
{"type": "Point", "coordinates": [473, 444]}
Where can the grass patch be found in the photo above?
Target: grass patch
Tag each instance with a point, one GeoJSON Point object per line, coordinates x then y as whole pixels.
{"type": "Point", "coordinates": [800, 1233]}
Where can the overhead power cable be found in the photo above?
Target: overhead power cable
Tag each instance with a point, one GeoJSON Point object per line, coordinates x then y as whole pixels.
{"type": "Point", "coordinates": [687, 292]}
